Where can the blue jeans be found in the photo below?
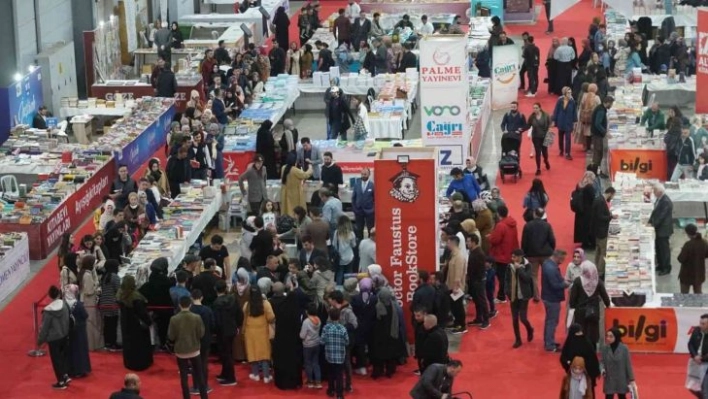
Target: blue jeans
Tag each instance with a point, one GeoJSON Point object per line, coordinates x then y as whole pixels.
{"type": "Point", "coordinates": [489, 289]}
{"type": "Point", "coordinates": [312, 363]}
{"type": "Point", "coordinates": [549, 328]}
{"type": "Point", "coordinates": [261, 365]}
{"type": "Point", "coordinates": [685, 170]}
{"type": "Point", "coordinates": [340, 271]}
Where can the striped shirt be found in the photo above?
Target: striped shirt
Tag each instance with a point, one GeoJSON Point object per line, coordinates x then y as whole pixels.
{"type": "Point", "coordinates": [335, 340]}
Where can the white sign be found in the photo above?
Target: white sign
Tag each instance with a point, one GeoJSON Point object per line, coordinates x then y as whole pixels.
{"type": "Point", "coordinates": [505, 76]}
{"type": "Point", "coordinates": [624, 7]}
{"type": "Point", "coordinates": [14, 268]}
{"type": "Point", "coordinates": [560, 6]}
{"type": "Point", "coordinates": [444, 89]}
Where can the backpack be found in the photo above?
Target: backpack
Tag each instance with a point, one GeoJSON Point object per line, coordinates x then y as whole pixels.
{"type": "Point", "coordinates": [285, 224]}
{"type": "Point", "coordinates": [576, 200]}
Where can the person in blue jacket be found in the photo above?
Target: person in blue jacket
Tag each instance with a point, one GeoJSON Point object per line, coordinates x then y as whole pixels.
{"type": "Point", "coordinates": [463, 183]}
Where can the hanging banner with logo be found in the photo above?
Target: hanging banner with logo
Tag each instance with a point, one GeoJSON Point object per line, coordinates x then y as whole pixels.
{"type": "Point", "coordinates": [444, 89]}
{"type": "Point", "coordinates": [658, 330]}
{"type": "Point", "coordinates": [647, 164]}
{"type": "Point", "coordinates": [560, 6]}
{"type": "Point", "coordinates": [505, 76]}
{"type": "Point", "coordinates": [406, 222]}
{"type": "Point", "coordinates": [702, 62]}
{"type": "Point", "coordinates": [624, 7]}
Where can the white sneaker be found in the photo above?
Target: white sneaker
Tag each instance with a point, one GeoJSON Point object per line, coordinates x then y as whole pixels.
{"type": "Point", "coordinates": [267, 380]}
{"type": "Point", "coordinates": [254, 377]}
{"type": "Point", "coordinates": [361, 371]}
{"type": "Point", "coordinates": [529, 94]}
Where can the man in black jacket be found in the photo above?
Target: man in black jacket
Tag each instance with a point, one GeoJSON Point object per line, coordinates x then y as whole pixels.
{"type": "Point", "coordinates": [166, 85]}
{"type": "Point", "coordinates": [331, 172]}
{"type": "Point", "coordinates": [662, 220]}
{"type": "Point", "coordinates": [514, 121]}
{"type": "Point", "coordinates": [434, 348]}
{"type": "Point", "coordinates": [685, 156]}
{"type": "Point", "coordinates": [369, 63]}
{"type": "Point", "coordinates": [538, 243]}
{"type": "Point", "coordinates": [309, 253]}
{"type": "Point", "coordinates": [221, 54]}
{"type": "Point", "coordinates": [39, 120]}
{"type": "Point", "coordinates": [698, 348]}
{"type": "Point", "coordinates": [598, 129]}
{"type": "Point", "coordinates": [476, 282]}
{"type": "Point", "coordinates": [262, 244]}
{"type": "Point", "coordinates": [409, 59]}
{"type": "Point", "coordinates": [339, 115]}
{"type": "Point", "coordinates": [360, 31]}
{"type": "Point", "coordinates": [131, 388]}
{"type": "Point", "coordinates": [518, 288]}
{"type": "Point", "coordinates": [441, 307]}
{"type": "Point", "coordinates": [531, 56]}
{"type": "Point", "coordinates": [228, 316]}
{"type": "Point", "coordinates": [436, 382]}
{"type": "Point", "coordinates": [424, 295]}
{"type": "Point", "coordinates": [206, 282]}
{"type": "Point", "coordinates": [601, 217]}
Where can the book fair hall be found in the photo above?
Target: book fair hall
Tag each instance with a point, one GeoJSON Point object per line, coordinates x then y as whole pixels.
{"type": "Point", "coordinates": [420, 199]}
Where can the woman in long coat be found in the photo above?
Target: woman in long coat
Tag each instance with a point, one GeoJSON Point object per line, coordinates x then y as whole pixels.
{"type": "Point", "coordinates": [281, 23]}
{"type": "Point", "coordinates": [135, 326]}
{"type": "Point", "coordinates": [265, 146]}
{"type": "Point", "coordinates": [587, 105]}
{"type": "Point", "coordinates": [584, 196]}
{"type": "Point", "coordinates": [292, 193]}
{"type": "Point", "coordinates": [384, 348]}
{"type": "Point", "coordinates": [79, 360]}
{"type": "Point", "coordinates": [256, 325]}
{"type": "Point", "coordinates": [484, 221]}
{"type": "Point", "coordinates": [242, 292]}
{"type": "Point", "coordinates": [585, 295]}
{"type": "Point", "coordinates": [157, 293]}
{"type": "Point", "coordinates": [616, 365]}
{"type": "Point", "coordinates": [577, 345]}
{"type": "Point", "coordinates": [90, 289]}
{"type": "Point", "coordinates": [287, 346]}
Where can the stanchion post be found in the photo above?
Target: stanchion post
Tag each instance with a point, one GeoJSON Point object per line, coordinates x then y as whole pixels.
{"type": "Point", "coordinates": [37, 351]}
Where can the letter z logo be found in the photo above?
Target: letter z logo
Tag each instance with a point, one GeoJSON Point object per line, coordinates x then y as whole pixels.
{"type": "Point", "coordinates": [442, 110]}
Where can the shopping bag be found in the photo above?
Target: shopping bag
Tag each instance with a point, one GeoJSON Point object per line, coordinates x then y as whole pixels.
{"type": "Point", "coordinates": [695, 374]}
{"type": "Point", "coordinates": [633, 391]}
{"type": "Point", "coordinates": [569, 318]}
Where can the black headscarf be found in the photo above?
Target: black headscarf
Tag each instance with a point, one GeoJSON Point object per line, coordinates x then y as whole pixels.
{"type": "Point", "coordinates": [579, 345]}
{"type": "Point", "coordinates": [618, 338]}
{"type": "Point", "coordinates": [289, 163]}
{"type": "Point", "coordinates": [159, 265]}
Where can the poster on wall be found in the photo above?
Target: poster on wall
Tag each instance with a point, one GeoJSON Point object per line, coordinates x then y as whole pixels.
{"type": "Point", "coordinates": [560, 6]}
{"type": "Point", "coordinates": [702, 62]}
{"type": "Point", "coordinates": [443, 98]}
{"type": "Point", "coordinates": [19, 102]}
{"type": "Point", "coordinates": [406, 220]}
{"type": "Point", "coordinates": [505, 76]}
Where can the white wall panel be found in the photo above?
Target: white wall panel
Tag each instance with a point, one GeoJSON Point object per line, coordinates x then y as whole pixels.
{"type": "Point", "coordinates": [25, 33]}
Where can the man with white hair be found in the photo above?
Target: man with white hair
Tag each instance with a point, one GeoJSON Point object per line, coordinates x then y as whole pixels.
{"type": "Point", "coordinates": [662, 221]}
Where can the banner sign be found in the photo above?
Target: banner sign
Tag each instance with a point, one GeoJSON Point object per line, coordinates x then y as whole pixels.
{"type": "Point", "coordinates": [702, 62]}
{"type": "Point", "coordinates": [647, 164]}
{"type": "Point", "coordinates": [406, 219]}
{"type": "Point", "coordinates": [140, 150]}
{"type": "Point", "coordinates": [505, 76]}
{"type": "Point", "coordinates": [560, 6]}
{"type": "Point", "coordinates": [444, 89]}
{"type": "Point", "coordinates": [20, 102]}
{"type": "Point", "coordinates": [658, 330]}
{"type": "Point", "coordinates": [14, 268]}
{"type": "Point", "coordinates": [624, 7]}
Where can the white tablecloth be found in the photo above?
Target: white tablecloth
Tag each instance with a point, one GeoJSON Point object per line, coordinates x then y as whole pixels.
{"type": "Point", "coordinates": [178, 248]}
{"type": "Point", "coordinates": [67, 112]}
{"type": "Point", "coordinates": [386, 128]}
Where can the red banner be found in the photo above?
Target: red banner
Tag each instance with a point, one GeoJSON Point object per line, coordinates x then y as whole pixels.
{"type": "Point", "coordinates": [647, 329]}
{"type": "Point", "coordinates": [647, 164]}
{"type": "Point", "coordinates": [406, 224]}
{"type": "Point", "coordinates": [702, 62]}
{"type": "Point", "coordinates": [236, 162]}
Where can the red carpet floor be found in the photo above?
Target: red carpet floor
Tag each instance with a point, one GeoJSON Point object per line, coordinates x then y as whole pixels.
{"type": "Point", "coordinates": [492, 368]}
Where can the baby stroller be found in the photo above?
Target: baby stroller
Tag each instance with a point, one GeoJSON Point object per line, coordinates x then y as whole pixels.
{"type": "Point", "coordinates": [509, 163]}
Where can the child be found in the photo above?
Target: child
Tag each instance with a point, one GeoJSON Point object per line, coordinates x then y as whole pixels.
{"type": "Point", "coordinates": [335, 340]}
{"type": "Point", "coordinates": [489, 266]}
{"type": "Point", "coordinates": [268, 215]}
{"type": "Point", "coordinates": [310, 335]}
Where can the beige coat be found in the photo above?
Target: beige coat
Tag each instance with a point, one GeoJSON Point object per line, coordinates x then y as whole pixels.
{"type": "Point", "coordinates": [256, 333]}
{"type": "Point", "coordinates": [292, 194]}
{"type": "Point", "coordinates": [485, 225]}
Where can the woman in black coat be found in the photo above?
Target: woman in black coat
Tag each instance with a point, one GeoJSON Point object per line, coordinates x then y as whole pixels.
{"type": "Point", "coordinates": [79, 360]}
{"type": "Point", "coordinates": [282, 24]}
{"type": "Point", "coordinates": [265, 146]}
{"type": "Point", "coordinates": [157, 293]}
{"type": "Point", "coordinates": [135, 326]}
{"type": "Point", "coordinates": [585, 295]}
{"type": "Point", "coordinates": [577, 344]}
{"type": "Point", "coordinates": [581, 205]}
{"type": "Point", "coordinates": [364, 307]}
{"type": "Point", "coordinates": [384, 348]}
{"type": "Point", "coordinates": [178, 171]}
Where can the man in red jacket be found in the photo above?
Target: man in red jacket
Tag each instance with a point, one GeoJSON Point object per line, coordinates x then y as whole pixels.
{"type": "Point", "coordinates": [504, 239]}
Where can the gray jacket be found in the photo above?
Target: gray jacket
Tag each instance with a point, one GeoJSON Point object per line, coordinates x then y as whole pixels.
{"type": "Point", "coordinates": [163, 37]}
{"type": "Point", "coordinates": [55, 322]}
{"type": "Point", "coordinates": [315, 158]}
{"type": "Point", "coordinates": [310, 333]}
{"type": "Point", "coordinates": [617, 367]}
{"type": "Point", "coordinates": [320, 280]}
{"type": "Point", "coordinates": [257, 191]}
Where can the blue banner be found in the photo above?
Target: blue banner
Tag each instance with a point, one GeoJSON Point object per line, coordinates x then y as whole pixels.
{"type": "Point", "coordinates": [19, 102]}
{"type": "Point", "coordinates": [144, 146]}
{"type": "Point", "coordinates": [496, 7]}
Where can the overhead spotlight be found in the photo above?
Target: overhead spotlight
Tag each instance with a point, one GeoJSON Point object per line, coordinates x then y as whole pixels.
{"type": "Point", "coordinates": [31, 68]}
{"type": "Point", "coordinates": [100, 23]}
{"type": "Point", "coordinates": [18, 77]}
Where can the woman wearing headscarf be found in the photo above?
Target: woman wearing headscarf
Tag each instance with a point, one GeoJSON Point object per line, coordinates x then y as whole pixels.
{"type": "Point", "coordinates": [79, 361]}
{"type": "Point", "coordinates": [69, 273]}
{"type": "Point", "coordinates": [159, 175]}
{"type": "Point", "coordinates": [616, 366]}
{"type": "Point", "coordinates": [281, 23]}
{"type": "Point", "coordinates": [376, 274]}
{"type": "Point", "coordinates": [469, 226]}
{"type": "Point", "coordinates": [581, 204]}
{"type": "Point", "coordinates": [107, 215]}
{"type": "Point", "coordinates": [257, 326]}
{"type": "Point", "coordinates": [292, 193]}
{"type": "Point", "coordinates": [585, 295]}
{"type": "Point", "coordinates": [551, 65]}
{"type": "Point", "coordinates": [574, 269]}
{"type": "Point", "coordinates": [384, 348]}
{"type": "Point", "coordinates": [157, 293]}
{"type": "Point", "coordinates": [287, 346]}
{"type": "Point", "coordinates": [108, 304]}
{"type": "Point", "coordinates": [134, 326]}
{"type": "Point", "coordinates": [217, 150]}
{"type": "Point", "coordinates": [265, 146]}
{"type": "Point", "coordinates": [484, 220]}
{"type": "Point", "coordinates": [242, 292]}
{"type": "Point", "coordinates": [364, 306]}
{"type": "Point", "coordinates": [587, 105]}
{"type": "Point", "coordinates": [90, 289]}
{"type": "Point", "coordinates": [576, 384]}
{"type": "Point", "coordinates": [577, 345]}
